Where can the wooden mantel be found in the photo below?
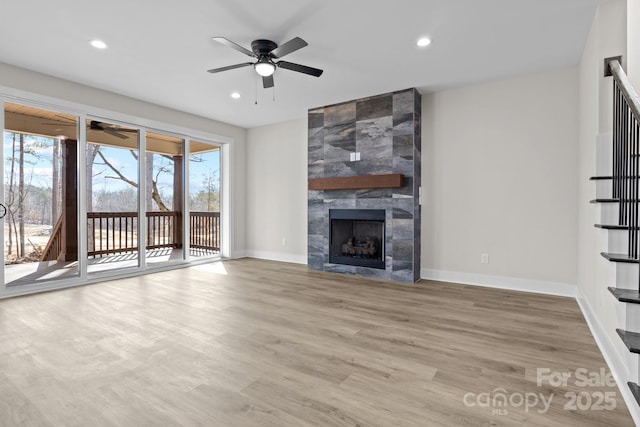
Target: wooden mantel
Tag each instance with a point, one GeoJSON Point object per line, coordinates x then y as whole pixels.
{"type": "Point", "coordinates": [393, 180]}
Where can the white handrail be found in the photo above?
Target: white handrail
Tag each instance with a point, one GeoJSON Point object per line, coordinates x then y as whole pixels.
{"type": "Point", "coordinates": [626, 87]}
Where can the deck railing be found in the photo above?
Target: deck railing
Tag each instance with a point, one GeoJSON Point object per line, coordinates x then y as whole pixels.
{"type": "Point", "coordinates": [205, 230]}
{"type": "Point", "coordinates": [162, 229]}
{"type": "Point", "coordinates": [112, 233]}
{"type": "Point", "coordinates": [117, 232]}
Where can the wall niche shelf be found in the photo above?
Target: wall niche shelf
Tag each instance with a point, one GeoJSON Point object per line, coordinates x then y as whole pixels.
{"type": "Point", "coordinates": [393, 180]}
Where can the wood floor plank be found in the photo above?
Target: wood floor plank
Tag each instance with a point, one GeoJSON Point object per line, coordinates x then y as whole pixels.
{"type": "Point", "coordinates": [259, 343]}
{"type": "Point", "coordinates": [17, 409]}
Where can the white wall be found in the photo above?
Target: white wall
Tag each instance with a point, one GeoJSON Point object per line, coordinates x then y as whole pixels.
{"type": "Point", "coordinates": [277, 191]}
{"type": "Point", "coordinates": [633, 42]}
{"type": "Point", "coordinates": [499, 177]}
{"type": "Point", "coordinates": [28, 81]}
{"type": "Point", "coordinates": [592, 267]}
{"type": "Point", "coordinates": [611, 41]}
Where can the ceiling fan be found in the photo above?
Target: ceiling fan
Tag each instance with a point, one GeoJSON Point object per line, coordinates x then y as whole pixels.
{"type": "Point", "coordinates": [113, 130]}
{"type": "Point", "coordinates": [266, 51]}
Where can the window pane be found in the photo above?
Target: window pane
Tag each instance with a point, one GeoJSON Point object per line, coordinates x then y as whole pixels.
{"type": "Point", "coordinates": [204, 199]}
{"type": "Point", "coordinates": [164, 198]}
{"type": "Point", "coordinates": [40, 193]}
{"type": "Point", "coordinates": [112, 196]}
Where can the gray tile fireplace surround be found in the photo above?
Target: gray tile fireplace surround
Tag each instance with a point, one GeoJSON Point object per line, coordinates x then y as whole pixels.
{"type": "Point", "coordinates": [385, 130]}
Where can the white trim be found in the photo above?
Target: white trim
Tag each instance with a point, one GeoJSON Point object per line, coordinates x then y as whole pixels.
{"type": "Point", "coordinates": [83, 233]}
{"type": "Point", "coordinates": [186, 216]}
{"type": "Point", "coordinates": [276, 256]}
{"type": "Point", "coordinates": [501, 282]}
{"type": "Point", "coordinates": [617, 366]}
{"type": "Point", "coordinates": [3, 284]}
{"type": "Point", "coordinates": [142, 199]}
{"type": "Point", "coordinates": [227, 199]}
{"type": "Point", "coordinates": [240, 253]}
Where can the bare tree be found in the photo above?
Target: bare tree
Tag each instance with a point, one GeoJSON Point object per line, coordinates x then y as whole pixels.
{"type": "Point", "coordinates": [155, 193]}
{"type": "Point", "coordinates": [92, 152]}
{"type": "Point", "coordinates": [19, 200]}
{"type": "Point", "coordinates": [11, 196]}
{"type": "Point", "coordinates": [21, 195]}
{"type": "Point", "coordinates": [150, 183]}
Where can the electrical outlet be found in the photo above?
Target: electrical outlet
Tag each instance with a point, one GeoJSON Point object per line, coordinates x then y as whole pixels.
{"type": "Point", "coordinates": [484, 258]}
{"type": "Point", "coordinates": [352, 157]}
{"type": "Point", "coordinates": [358, 156]}
{"type": "Point", "coordinates": [284, 241]}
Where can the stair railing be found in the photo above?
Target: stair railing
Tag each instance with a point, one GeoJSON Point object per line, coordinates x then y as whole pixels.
{"type": "Point", "coordinates": [53, 249]}
{"type": "Point", "coordinates": [626, 152]}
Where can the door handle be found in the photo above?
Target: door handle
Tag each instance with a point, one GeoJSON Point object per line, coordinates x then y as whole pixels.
{"type": "Point", "coordinates": [4, 211]}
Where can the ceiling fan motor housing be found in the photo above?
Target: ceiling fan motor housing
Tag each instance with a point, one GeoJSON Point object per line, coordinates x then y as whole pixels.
{"type": "Point", "coordinates": [262, 47]}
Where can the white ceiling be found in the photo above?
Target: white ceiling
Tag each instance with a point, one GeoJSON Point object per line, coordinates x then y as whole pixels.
{"type": "Point", "coordinates": [159, 50]}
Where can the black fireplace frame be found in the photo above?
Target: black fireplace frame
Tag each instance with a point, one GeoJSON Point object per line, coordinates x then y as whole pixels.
{"type": "Point", "coordinates": [359, 215]}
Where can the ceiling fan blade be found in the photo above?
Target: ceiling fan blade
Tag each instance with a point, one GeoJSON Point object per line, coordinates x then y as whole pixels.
{"type": "Point", "coordinates": [288, 47]}
{"type": "Point", "coordinates": [316, 72]}
{"type": "Point", "coordinates": [65, 118]}
{"type": "Point", "coordinates": [229, 67]}
{"type": "Point", "coordinates": [114, 133]}
{"type": "Point", "coordinates": [233, 45]}
{"type": "Point", "coordinates": [267, 81]}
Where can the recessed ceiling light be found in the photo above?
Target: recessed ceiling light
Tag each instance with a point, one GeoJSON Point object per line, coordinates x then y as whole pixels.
{"type": "Point", "coordinates": [425, 41]}
{"type": "Point", "coordinates": [98, 44]}
{"type": "Point", "coordinates": [235, 95]}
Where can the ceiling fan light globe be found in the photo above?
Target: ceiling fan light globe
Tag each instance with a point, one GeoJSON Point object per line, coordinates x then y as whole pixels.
{"type": "Point", "coordinates": [265, 69]}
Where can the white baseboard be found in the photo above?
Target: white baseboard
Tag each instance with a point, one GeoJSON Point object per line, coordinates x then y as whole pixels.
{"type": "Point", "coordinates": [242, 253]}
{"type": "Point", "coordinates": [501, 282]}
{"type": "Point", "coordinates": [616, 364]}
{"type": "Point", "coordinates": [277, 256]}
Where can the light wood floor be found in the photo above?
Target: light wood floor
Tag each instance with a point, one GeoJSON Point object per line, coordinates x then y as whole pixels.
{"type": "Point", "coordinates": [258, 343]}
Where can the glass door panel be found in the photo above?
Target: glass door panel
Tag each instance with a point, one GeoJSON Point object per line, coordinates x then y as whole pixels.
{"type": "Point", "coordinates": [204, 199]}
{"type": "Point", "coordinates": [41, 195]}
{"type": "Point", "coordinates": [163, 198]}
{"type": "Point", "coordinates": [112, 196]}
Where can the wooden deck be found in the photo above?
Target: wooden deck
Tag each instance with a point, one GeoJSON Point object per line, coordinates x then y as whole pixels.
{"type": "Point", "coordinates": [258, 343]}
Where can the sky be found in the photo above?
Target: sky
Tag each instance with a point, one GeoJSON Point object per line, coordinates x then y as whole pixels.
{"type": "Point", "coordinates": [39, 168]}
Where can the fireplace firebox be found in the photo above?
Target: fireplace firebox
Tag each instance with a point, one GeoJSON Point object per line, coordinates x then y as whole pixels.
{"type": "Point", "coordinates": [356, 237]}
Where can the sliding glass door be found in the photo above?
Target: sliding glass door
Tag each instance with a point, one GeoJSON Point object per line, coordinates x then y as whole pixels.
{"type": "Point", "coordinates": [40, 200]}
{"type": "Point", "coordinates": [145, 197]}
{"type": "Point", "coordinates": [112, 161]}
